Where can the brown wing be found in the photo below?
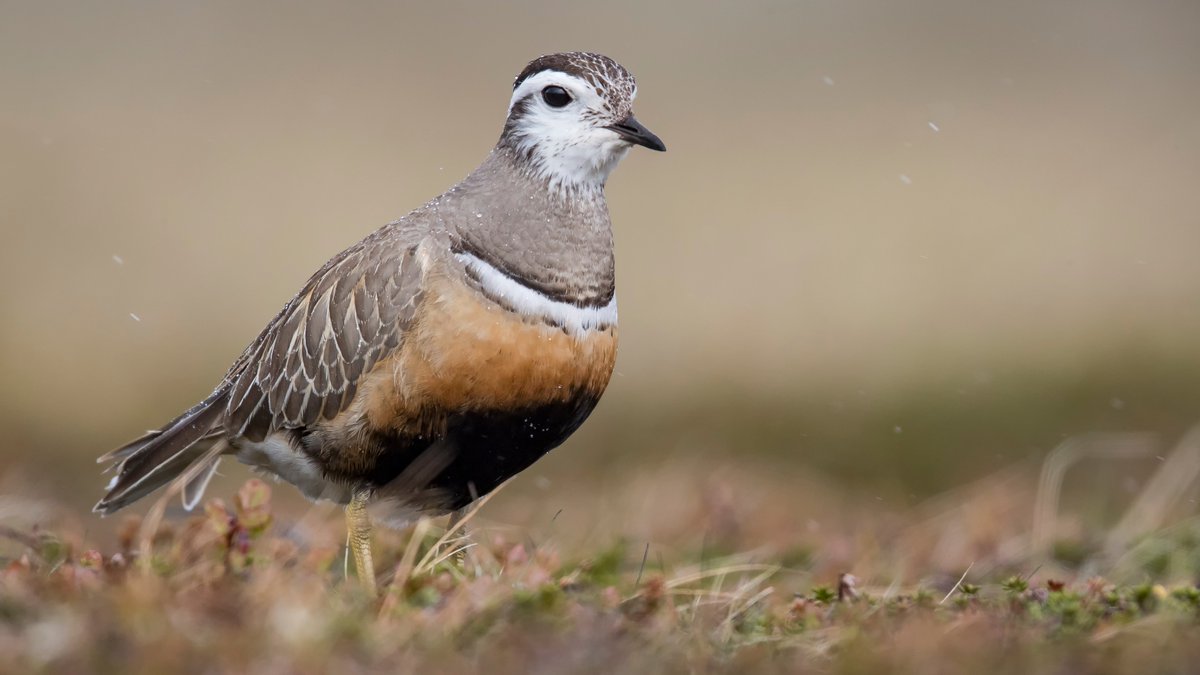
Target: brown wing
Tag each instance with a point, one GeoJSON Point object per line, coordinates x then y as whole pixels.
{"type": "Point", "coordinates": [306, 365]}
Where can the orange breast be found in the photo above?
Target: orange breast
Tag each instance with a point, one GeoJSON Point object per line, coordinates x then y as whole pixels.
{"type": "Point", "coordinates": [466, 353]}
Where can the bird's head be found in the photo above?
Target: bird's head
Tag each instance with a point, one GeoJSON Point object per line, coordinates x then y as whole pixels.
{"type": "Point", "coordinates": [571, 118]}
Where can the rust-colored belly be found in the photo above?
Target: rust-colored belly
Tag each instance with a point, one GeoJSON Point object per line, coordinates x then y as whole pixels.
{"type": "Point", "coordinates": [491, 389]}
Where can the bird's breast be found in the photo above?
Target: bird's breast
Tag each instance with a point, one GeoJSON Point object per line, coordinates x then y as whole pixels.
{"type": "Point", "coordinates": [467, 352]}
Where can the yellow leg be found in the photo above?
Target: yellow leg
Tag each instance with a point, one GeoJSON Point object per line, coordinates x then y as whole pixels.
{"type": "Point", "coordinates": [358, 526]}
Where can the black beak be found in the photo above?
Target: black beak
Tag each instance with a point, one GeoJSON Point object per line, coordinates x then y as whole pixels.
{"type": "Point", "coordinates": [632, 130]}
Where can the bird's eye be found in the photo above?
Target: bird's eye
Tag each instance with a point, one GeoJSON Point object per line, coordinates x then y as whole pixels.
{"type": "Point", "coordinates": [555, 97]}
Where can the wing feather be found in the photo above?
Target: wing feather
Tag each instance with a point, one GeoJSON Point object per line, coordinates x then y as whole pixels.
{"type": "Point", "coordinates": [306, 365]}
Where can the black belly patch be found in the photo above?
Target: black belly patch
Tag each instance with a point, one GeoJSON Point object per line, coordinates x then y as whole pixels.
{"type": "Point", "coordinates": [479, 451]}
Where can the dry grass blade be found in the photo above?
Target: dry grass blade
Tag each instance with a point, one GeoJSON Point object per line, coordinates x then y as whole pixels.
{"type": "Point", "coordinates": [749, 585]}
{"type": "Point", "coordinates": [452, 551]}
{"type": "Point", "coordinates": [706, 593]}
{"type": "Point", "coordinates": [1163, 491]}
{"type": "Point", "coordinates": [719, 572]}
{"type": "Point", "coordinates": [957, 584]}
{"type": "Point", "coordinates": [737, 607]}
{"type": "Point", "coordinates": [1062, 458]}
{"type": "Point", "coordinates": [405, 568]}
{"type": "Point", "coordinates": [736, 611]}
{"type": "Point", "coordinates": [427, 563]}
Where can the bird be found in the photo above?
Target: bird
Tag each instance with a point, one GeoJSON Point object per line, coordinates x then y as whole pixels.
{"type": "Point", "coordinates": [446, 351]}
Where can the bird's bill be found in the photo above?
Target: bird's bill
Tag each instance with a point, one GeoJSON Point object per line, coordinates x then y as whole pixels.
{"type": "Point", "coordinates": [632, 130]}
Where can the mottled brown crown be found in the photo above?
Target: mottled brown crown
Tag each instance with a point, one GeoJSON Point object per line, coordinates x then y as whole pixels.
{"type": "Point", "coordinates": [606, 75]}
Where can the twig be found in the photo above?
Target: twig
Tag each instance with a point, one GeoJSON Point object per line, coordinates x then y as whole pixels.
{"type": "Point", "coordinates": [27, 540]}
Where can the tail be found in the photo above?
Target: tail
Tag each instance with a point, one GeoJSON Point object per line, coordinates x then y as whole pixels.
{"type": "Point", "coordinates": [187, 448]}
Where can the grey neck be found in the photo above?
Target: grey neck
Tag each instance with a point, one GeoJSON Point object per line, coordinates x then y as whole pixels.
{"type": "Point", "coordinates": [557, 243]}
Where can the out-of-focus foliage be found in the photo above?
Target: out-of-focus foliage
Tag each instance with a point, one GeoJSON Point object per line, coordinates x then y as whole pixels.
{"type": "Point", "coordinates": [232, 591]}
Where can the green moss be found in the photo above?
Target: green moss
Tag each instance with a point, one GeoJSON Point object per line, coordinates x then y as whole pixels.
{"type": "Point", "coordinates": [545, 599]}
{"type": "Point", "coordinates": [604, 568]}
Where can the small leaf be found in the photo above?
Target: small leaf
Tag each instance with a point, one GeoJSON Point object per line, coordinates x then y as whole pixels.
{"type": "Point", "coordinates": [218, 518]}
{"type": "Point", "coordinates": [254, 506]}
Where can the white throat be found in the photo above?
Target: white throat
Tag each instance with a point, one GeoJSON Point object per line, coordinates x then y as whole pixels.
{"type": "Point", "coordinates": [571, 149]}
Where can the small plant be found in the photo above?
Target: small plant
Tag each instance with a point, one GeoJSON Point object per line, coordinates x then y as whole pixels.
{"type": "Point", "coordinates": [823, 594]}
{"type": "Point", "coordinates": [1014, 585]}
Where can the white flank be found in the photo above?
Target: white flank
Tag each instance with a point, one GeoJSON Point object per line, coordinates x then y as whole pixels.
{"type": "Point", "coordinates": [528, 302]}
{"type": "Point", "coordinates": [277, 457]}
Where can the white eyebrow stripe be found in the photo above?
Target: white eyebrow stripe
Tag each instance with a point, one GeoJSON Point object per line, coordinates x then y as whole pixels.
{"type": "Point", "coordinates": [528, 302]}
{"type": "Point", "coordinates": [542, 79]}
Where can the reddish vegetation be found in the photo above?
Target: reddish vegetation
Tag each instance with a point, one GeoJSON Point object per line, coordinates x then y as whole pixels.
{"type": "Point", "coordinates": [233, 591]}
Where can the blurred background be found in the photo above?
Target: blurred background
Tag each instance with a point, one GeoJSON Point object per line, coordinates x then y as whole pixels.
{"type": "Point", "coordinates": [896, 254]}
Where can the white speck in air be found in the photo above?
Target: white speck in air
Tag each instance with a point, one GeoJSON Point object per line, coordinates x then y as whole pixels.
{"type": "Point", "coordinates": [1116, 403]}
{"type": "Point", "coordinates": [897, 429]}
{"type": "Point", "coordinates": [827, 80]}
{"type": "Point", "coordinates": [934, 126]}
{"type": "Point", "coordinates": [118, 259]}
{"type": "Point", "coordinates": [905, 179]}
{"type": "Point", "coordinates": [135, 317]}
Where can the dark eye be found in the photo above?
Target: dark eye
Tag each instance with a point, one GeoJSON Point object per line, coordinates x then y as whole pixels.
{"type": "Point", "coordinates": [555, 97]}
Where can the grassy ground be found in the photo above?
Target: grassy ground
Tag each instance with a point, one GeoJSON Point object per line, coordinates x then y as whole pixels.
{"type": "Point", "coordinates": [238, 589]}
{"type": "Point", "coordinates": [659, 544]}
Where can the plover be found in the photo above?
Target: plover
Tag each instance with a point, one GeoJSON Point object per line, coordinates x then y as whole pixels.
{"type": "Point", "coordinates": [448, 350]}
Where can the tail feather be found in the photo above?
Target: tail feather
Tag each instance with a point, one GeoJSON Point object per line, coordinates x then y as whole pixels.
{"type": "Point", "coordinates": [137, 444]}
{"type": "Point", "coordinates": [128, 449]}
{"type": "Point", "coordinates": [194, 486]}
{"type": "Point", "coordinates": [155, 459]}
